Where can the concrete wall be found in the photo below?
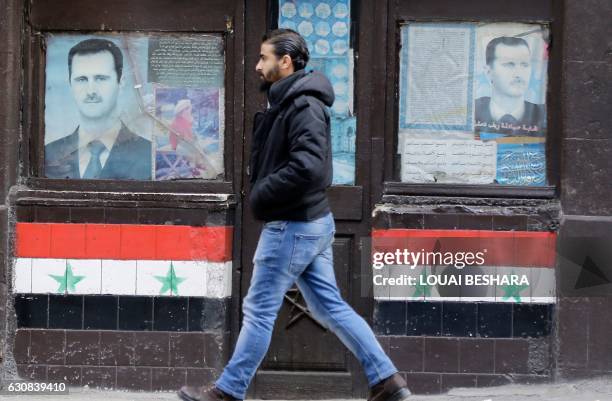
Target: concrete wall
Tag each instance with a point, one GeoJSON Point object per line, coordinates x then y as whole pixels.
{"type": "Point", "coordinates": [584, 346]}
{"type": "Point", "coordinates": [11, 23]}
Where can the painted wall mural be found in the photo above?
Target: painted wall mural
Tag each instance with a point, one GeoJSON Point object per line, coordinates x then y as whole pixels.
{"type": "Point", "coordinates": [464, 266]}
{"type": "Point", "coordinates": [123, 259]}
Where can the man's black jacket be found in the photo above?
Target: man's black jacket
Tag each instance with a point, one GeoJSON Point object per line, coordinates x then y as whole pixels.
{"type": "Point", "coordinates": [291, 159]}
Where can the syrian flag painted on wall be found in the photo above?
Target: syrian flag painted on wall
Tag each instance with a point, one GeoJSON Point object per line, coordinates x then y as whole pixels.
{"type": "Point", "coordinates": [123, 259]}
{"type": "Point", "coordinates": [504, 266]}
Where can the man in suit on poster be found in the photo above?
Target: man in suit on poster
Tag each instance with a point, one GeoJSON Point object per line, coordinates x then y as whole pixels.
{"type": "Point", "coordinates": [101, 147]}
{"type": "Point", "coordinates": [508, 68]}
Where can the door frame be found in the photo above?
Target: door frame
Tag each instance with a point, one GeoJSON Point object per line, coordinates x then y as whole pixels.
{"type": "Point", "coordinates": [351, 205]}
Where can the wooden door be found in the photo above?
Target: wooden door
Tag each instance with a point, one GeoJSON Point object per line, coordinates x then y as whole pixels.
{"type": "Point", "coordinates": [305, 361]}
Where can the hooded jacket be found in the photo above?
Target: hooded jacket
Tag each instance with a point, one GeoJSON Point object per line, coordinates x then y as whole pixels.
{"type": "Point", "coordinates": [291, 159]}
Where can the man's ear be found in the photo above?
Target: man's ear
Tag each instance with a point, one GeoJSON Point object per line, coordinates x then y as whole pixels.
{"type": "Point", "coordinates": [286, 62]}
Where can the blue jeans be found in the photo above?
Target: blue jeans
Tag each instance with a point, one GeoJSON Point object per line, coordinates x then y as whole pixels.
{"type": "Point", "coordinates": [290, 251]}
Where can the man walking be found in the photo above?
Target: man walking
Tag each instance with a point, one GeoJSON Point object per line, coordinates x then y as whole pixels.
{"type": "Point", "coordinates": [291, 166]}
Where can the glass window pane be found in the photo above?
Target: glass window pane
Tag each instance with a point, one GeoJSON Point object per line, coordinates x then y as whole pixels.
{"type": "Point", "coordinates": [472, 103]}
{"type": "Point", "coordinates": [134, 106]}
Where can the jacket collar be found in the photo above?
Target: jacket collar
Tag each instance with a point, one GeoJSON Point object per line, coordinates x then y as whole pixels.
{"type": "Point", "coordinates": [279, 89]}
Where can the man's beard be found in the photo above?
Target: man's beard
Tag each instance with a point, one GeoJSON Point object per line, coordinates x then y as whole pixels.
{"type": "Point", "coordinates": [268, 80]}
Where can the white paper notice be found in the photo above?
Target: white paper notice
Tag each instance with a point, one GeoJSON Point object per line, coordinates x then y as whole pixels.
{"type": "Point", "coordinates": [438, 72]}
{"type": "Point", "coordinates": [449, 161]}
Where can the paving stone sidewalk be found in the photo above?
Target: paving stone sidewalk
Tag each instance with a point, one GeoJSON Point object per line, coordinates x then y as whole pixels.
{"type": "Point", "coordinates": [584, 390]}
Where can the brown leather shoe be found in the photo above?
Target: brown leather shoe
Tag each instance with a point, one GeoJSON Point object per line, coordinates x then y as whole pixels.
{"type": "Point", "coordinates": [188, 393]}
{"type": "Point", "coordinates": [393, 388]}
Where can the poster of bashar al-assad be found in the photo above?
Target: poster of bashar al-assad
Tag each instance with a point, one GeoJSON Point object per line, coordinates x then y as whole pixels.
{"type": "Point", "coordinates": [93, 126]}
{"type": "Point", "coordinates": [100, 103]}
{"type": "Point", "coordinates": [510, 79]}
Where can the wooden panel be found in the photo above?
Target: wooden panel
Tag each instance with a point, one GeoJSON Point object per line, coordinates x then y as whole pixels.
{"type": "Point", "coordinates": [312, 350]}
{"type": "Point", "coordinates": [346, 202]}
{"type": "Point", "coordinates": [169, 15]}
{"type": "Point", "coordinates": [476, 9]}
{"type": "Point", "coordinates": [305, 345]}
{"type": "Point", "coordinates": [256, 19]}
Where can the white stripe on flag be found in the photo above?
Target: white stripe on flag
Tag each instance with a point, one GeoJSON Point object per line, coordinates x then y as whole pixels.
{"type": "Point", "coordinates": [123, 277]}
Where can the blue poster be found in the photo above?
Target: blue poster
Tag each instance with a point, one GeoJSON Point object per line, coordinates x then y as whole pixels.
{"type": "Point", "coordinates": [521, 164]}
{"type": "Point", "coordinates": [325, 26]}
{"type": "Point", "coordinates": [518, 163]}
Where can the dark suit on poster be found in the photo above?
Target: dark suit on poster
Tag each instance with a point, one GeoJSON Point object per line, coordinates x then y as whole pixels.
{"type": "Point", "coordinates": [129, 158]}
{"type": "Point", "coordinates": [532, 123]}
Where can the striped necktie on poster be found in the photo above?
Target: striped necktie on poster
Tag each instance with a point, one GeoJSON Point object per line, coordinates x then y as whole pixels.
{"type": "Point", "coordinates": [94, 168]}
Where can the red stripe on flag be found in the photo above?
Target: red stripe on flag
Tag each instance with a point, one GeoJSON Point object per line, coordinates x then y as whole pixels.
{"type": "Point", "coordinates": [33, 240]}
{"type": "Point", "coordinates": [104, 240]}
{"type": "Point", "coordinates": [409, 232]}
{"type": "Point", "coordinates": [68, 239]}
{"type": "Point", "coordinates": [503, 248]}
{"type": "Point", "coordinates": [124, 241]}
{"type": "Point", "coordinates": [137, 242]}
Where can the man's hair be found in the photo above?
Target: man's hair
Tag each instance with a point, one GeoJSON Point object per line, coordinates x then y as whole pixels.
{"type": "Point", "coordinates": [92, 46]}
{"type": "Point", "coordinates": [289, 42]}
{"type": "Point", "coordinates": [503, 40]}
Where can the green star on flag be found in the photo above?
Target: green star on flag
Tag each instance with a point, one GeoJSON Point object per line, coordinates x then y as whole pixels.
{"type": "Point", "coordinates": [170, 281]}
{"type": "Point", "coordinates": [422, 289]}
{"type": "Point", "coordinates": [68, 281]}
{"type": "Point", "coordinates": [513, 291]}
